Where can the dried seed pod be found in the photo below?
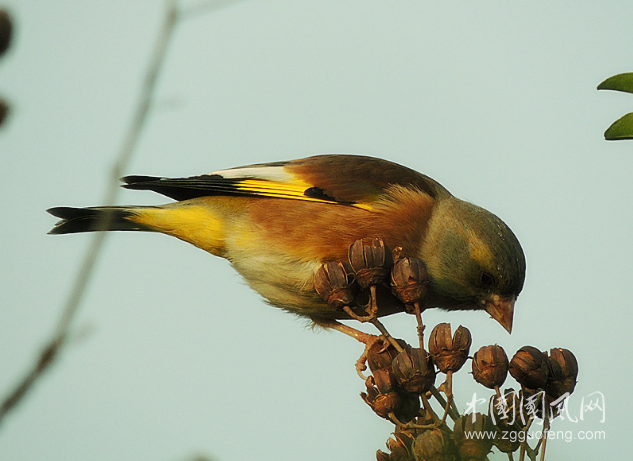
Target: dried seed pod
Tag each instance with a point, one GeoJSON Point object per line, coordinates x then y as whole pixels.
{"type": "Point", "coordinates": [449, 352]}
{"type": "Point", "coordinates": [380, 356]}
{"type": "Point", "coordinates": [414, 370]}
{"type": "Point", "coordinates": [530, 367]}
{"type": "Point", "coordinates": [381, 395]}
{"type": "Point", "coordinates": [400, 446]}
{"type": "Point", "coordinates": [433, 445]}
{"type": "Point", "coordinates": [470, 446]}
{"type": "Point", "coordinates": [490, 366]}
{"type": "Point", "coordinates": [334, 281]}
{"type": "Point", "coordinates": [409, 281]}
{"type": "Point", "coordinates": [371, 260]}
{"type": "Point", "coordinates": [563, 371]}
{"type": "Point", "coordinates": [6, 29]}
{"type": "Point", "coordinates": [409, 407]}
{"type": "Point", "coordinates": [384, 381]}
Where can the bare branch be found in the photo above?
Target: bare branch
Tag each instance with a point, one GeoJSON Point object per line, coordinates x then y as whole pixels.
{"type": "Point", "coordinates": [204, 7]}
{"type": "Point", "coordinates": [72, 304]}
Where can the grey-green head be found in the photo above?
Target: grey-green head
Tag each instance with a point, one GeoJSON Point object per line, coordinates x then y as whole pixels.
{"type": "Point", "coordinates": [473, 259]}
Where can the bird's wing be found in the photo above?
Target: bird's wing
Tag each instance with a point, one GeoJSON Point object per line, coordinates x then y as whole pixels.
{"type": "Point", "coordinates": [342, 179]}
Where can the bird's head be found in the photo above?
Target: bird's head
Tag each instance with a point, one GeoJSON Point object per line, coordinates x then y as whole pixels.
{"type": "Point", "coordinates": [474, 261]}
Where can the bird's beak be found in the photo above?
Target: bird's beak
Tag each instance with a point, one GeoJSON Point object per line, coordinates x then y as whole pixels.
{"type": "Point", "coordinates": [501, 309]}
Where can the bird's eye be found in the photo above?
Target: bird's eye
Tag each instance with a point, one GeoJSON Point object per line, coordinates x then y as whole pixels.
{"type": "Point", "coordinates": [487, 279]}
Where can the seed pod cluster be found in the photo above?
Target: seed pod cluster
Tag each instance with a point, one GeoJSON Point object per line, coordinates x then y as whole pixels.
{"type": "Point", "coordinates": [402, 377]}
{"type": "Point", "coordinates": [397, 380]}
{"type": "Point", "coordinates": [542, 377]}
{"type": "Point", "coordinates": [339, 282]}
{"type": "Point", "coordinates": [355, 283]}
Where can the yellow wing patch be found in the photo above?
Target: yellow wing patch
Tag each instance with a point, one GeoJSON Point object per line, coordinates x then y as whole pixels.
{"type": "Point", "coordinates": [296, 190]}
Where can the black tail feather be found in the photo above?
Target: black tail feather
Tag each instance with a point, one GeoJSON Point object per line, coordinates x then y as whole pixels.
{"type": "Point", "coordinates": [186, 188]}
{"type": "Point", "coordinates": [75, 220]}
{"type": "Point", "coordinates": [136, 182]}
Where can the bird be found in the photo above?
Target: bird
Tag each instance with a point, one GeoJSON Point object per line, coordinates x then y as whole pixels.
{"type": "Point", "coordinates": [277, 223]}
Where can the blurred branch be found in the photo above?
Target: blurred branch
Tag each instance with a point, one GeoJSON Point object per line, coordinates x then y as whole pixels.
{"type": "Point", "coordinates": [6, 33]}
{"type": "Point", "coordinates": [203, 7]}
{"type": "Point", "coordinates": [72, 304]}
{"type": "Point", "coordinates": [123, 158]}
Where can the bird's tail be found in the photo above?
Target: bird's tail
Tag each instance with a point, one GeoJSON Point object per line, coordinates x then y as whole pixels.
{"type": "Point", "coordinates": [92, 219]}
{"type": "Point", "coordinates": [200, 221]}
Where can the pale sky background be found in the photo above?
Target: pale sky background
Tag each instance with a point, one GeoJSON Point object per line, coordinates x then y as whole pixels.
{"type": "Point", "coordinates": [174, 355]}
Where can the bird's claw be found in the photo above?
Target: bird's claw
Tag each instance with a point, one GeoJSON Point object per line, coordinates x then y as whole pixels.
{"type": "Point", "coordinates": [361, 363]}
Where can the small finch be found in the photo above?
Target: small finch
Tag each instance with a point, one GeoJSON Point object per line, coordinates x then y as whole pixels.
{"type": "Point", "coordinates": [277, 223]}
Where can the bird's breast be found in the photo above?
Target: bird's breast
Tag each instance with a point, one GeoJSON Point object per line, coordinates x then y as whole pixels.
{"type": "Point", "coordinates": [277, 245]}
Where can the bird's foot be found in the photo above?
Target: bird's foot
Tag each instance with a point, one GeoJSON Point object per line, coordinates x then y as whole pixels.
{"type": "Point", "coordinates": [361, 363]}
{"type": "Point", "coordinates": [367, 339]}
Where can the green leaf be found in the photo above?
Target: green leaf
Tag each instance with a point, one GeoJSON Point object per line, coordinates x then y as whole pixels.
{"type": "Point", "coordinates": [620, 82]}
{"type": "Point", "coordinates": [620, 129]}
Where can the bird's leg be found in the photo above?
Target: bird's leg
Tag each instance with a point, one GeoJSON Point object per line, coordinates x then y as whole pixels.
{"type": "Point", "coordinates": [367, 339]}
{"type": "Point", "coordinates": [378, 324]}
{"type": "Point", "coordinates": [358, 335]}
